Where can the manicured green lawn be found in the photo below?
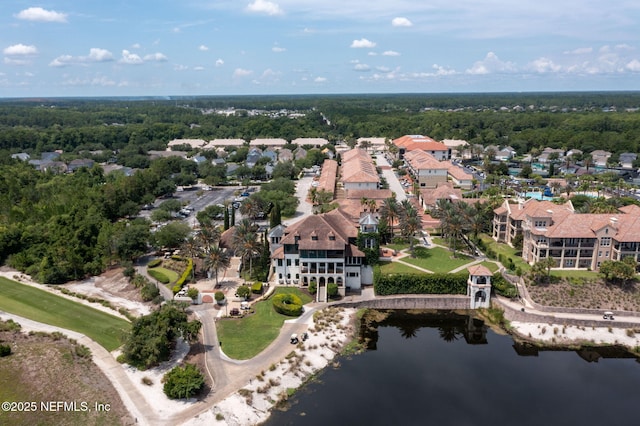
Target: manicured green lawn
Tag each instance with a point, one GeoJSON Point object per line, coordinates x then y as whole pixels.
{"type": "Point", "coordinates": [505, 250]}
{"type": "Point", "coordinates": [490, 266]}
{"type": "Point", "coordinates": [172, 275]}
{"type": "Point", "coordinates": [398, 268]}
{"type": "Point", "coordinates": [437, 259]}
{"type": "Point", "coordinates": [42, 306]}
{"type": "Point", "coordinates": [397, 247]}
{"type": "Point", "coordinates": [244, 338]}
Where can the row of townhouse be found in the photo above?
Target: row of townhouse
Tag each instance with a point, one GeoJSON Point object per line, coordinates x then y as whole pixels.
{"type": "Point", "coordinates": [572, 239]}
{"type": "Point", "coordinates": [426, 144]}
{"type": "Point", "coordinates": [221, 143]}
{"type": "Point", "coordinates": [358, 171]}
{"type": "Point", "coordinates": [429, 172]}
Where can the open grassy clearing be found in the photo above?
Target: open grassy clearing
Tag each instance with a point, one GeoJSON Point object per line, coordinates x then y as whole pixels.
{"type": "Point", "coordinates": [45, 307]}
{"type": "Point", "coordinates": [398, 268]}
{"type": "Point", "coordinates": [171, 275]}
{"type": "Point", "coordinates": [437, 259]}
{"type": "Point", "coordinates": [244, 338]}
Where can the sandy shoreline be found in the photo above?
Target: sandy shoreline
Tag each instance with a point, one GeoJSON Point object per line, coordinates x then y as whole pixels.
{"type": "Point", "coordinates": [558, 334]}
{"type": "Point", "coordinates": [252, 403]}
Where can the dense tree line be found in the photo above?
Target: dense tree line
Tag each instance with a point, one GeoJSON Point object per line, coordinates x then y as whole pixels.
{"type": "Point", "coordinates": [575, 120]}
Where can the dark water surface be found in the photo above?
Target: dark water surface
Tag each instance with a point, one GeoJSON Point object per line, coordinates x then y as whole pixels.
{"type": "Point", "coordinates": [452, 370]}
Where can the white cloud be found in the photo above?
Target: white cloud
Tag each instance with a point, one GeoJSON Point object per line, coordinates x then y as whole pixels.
{"type": "Point", "coordinates": [624, 47]}
{"type": "Point", "coordinates": [203, 48]}
{"type": "Point", "coordinates": [390, 53]}
{"type": "Point", "coordinates": [362, 67]}
{"type": "Point", "coordinates": [440, 70]}
{"type": "Point", "coordinates": [634, 66]}
{"type": "Point", "coordinates": [264, 6]}
{"type": "Point", "coordinates": [96, 54]}
{"type": "Point", "coordinates": [157, 57]}
{"type": "Point", "coordinates": [38, 14]}
{"type": "Point", "coordinates": [62, 61]}
{"type": "Point", "coordinates": [491, 64]}
{"type": "Point", "coordinates": [135, 46]}
{"type": "Point", "coordinates": [372, 54]}
{"type": "Point", "coordinates": [130, 58]}
{"type": "Point", "coordinates": [241, 72]}
{"type": "Point", "coordinates": [579, 51]}
{"type": "Point", "coordinates": [219, 62]}
{"type": "Point", "coordinates": [401, 22]}
{"type": "Point", "coordinates": [198, 68]}
{"type": "Point", "coordinates": [179, 67]}
{"type": "Point", "coordinates": [20, 50]}
{"type": "Point", "coordinates": [278, 49]}
{"type": "Point", "coordinates": [362, 43]}
{"type": "Point", "coordinates": [100, 55]}
{"type": "Point", "coordinates": [320, 80]}
{"type": "Point", "coordinates": [544, 65]}
{"type": "Point", "coordinates": [16, 61]}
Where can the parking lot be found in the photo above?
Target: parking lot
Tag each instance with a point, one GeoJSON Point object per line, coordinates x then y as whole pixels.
{"type": "Point", "coordinates": [198, 199]}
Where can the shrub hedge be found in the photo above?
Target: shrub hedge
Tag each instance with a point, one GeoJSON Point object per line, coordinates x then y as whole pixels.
{"type": "Point", "coordinates": [419, 283]}
{"type": "Point", "coordinates": [184, 277]}
{"type": "Point", "coordinates": [287, 304]}
{"type": "Point", "coordinates": [154, 263]}
{"type": "Point", "coordinates": [503, 287]}
{"type": "Point", "coordinates": [256, 287]}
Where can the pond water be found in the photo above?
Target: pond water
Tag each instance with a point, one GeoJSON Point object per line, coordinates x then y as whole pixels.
{"type": "Point", "coordinates": [447, 369]}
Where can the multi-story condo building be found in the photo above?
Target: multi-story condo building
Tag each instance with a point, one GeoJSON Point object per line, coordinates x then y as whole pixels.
{"type": "Point", "coordinates": [410, 143]}
{"type": "Point", "coordinates": [572, 239]}
{"type": "Point", "coordinates": [323, 249]}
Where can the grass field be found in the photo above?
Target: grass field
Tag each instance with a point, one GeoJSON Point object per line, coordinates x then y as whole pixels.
{"type": "Point", "coordinates": [244, 338]}
{"type": "Point", "coordinates": [172, 276]}
{"type": "Point", "coordinates": [398, 268]}
{"type": "Point", "coordinates": [42, 306]}
{"type": "Point", "coordinates": [437, 259]}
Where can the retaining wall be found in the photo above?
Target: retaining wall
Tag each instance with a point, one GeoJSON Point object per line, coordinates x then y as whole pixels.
{"type": "Point", "coordinates": [411, 301]}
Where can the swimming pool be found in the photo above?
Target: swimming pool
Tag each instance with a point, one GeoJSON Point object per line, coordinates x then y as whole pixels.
{"type": "Point", "coordinates": [537, 195]}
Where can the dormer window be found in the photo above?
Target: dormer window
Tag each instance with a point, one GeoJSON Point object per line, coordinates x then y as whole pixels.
{"type": "Point", "coordinates": [332, 236]}
{"type": "Point", "coordinates": [314, 236]}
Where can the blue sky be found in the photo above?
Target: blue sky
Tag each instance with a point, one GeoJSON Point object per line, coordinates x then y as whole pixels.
{"type": "Point", "coordinates": [229, 47]}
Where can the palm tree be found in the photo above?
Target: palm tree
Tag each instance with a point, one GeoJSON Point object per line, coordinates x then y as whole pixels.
{"type": "Point", "coordinates": [208, 237]}
{"type": "Point", "coordinates": [389, 211]}
{"type": "Point", "coordinates": [245, 242]}
{"type": "Point", "coordinates": [250, 208]}
{"type": "Point", "coordinates": [410, 222]}
{"type": "Point", "coordinates": [216, 259]}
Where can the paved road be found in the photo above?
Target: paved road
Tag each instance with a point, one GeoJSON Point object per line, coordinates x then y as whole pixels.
{"type": "Point", "coordinates": [392, 179]}
{"type": "Point", "coordinates": [305, 208]}
{"type": "Point", "coordinates": [230, 375]}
